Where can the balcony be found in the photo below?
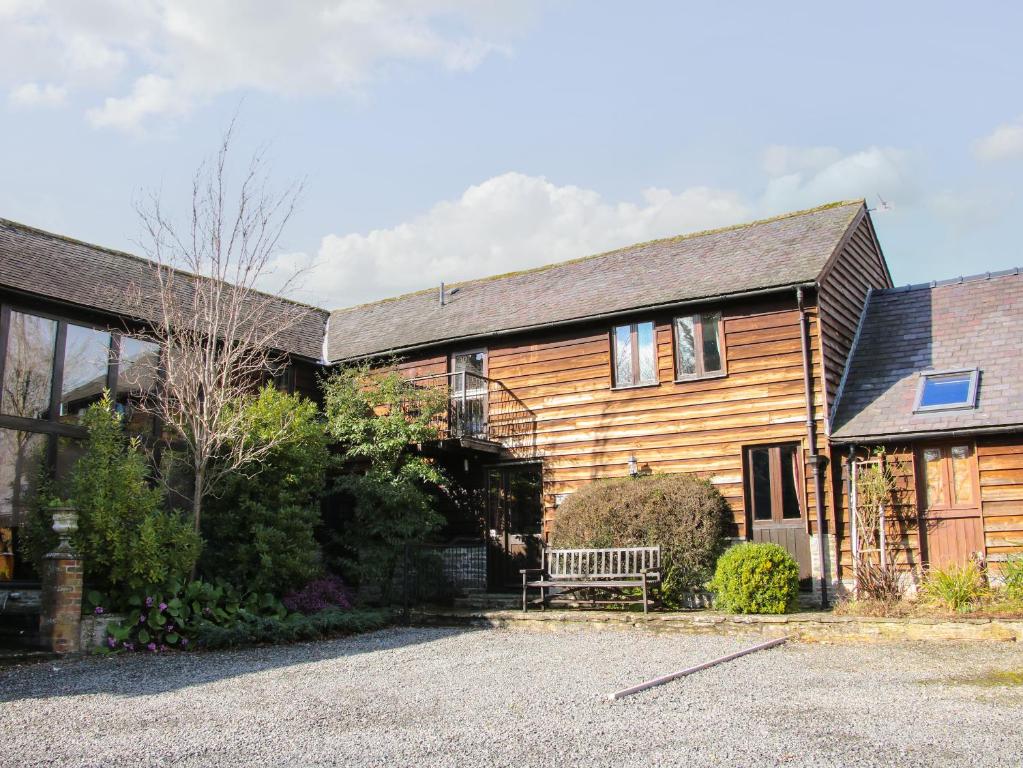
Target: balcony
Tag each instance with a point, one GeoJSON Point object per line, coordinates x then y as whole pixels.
{"type": "Point", "coordinates": [482, 412]}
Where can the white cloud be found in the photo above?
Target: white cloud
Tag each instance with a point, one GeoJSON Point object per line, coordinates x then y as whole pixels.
{"type": "Point", "coordinates": [511, 221]}
{"type": "Point", "coordinates": [35, 95]}
{"type": "Point", "coordinates": [874, 171]}
{"type": "Point", "coordinates": [163, 57]}
{"type": "Point", "coordinates": [1004, 143]}
{"type": "Point", "coordinates": [514, 221]}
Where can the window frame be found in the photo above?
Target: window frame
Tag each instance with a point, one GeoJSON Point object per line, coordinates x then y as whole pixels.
{"type": "Point", "coordinates": [971, 396]}
{"type": "Point", "coordinates": [701, 373]}
{"type": "Point", "coordinates": [952, 502]}
{"type": "Point", "coordinates": [636, 367]}
{"type": "Point", "coordinates": [777, 518]}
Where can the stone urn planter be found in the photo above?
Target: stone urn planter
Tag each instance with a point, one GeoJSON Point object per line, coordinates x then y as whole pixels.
{"type": "Point", "coordinates": [65, 523]}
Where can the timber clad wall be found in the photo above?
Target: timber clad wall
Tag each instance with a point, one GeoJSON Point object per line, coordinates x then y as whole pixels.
{"type": "Point", "coordinates": [1000, 466]}
{"type": "Point", "coordinates": [858, 267]}
{"type": "Point", "coordinates": [1000, 472]}
{"type": "Point", "coordinates": [586, 430]}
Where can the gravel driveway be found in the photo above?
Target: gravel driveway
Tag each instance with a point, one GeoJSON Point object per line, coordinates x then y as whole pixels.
{"type": "Point", "coordinates": [519, 698]}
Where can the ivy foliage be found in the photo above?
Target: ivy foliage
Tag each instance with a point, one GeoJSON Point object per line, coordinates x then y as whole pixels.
{"type": "Point", "coordinates": [126, 536]}
{"type": "Point", "coordinates": [260, 524]}
{"type": "Point", "coordinates": [378, 418]}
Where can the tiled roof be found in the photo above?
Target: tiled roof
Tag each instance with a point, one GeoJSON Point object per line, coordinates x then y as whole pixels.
{"type": "Point", "coordinates": [787, 250]}
{"type": "Point", "coordinates": [973, 322]}
{"type": "Point", "coordinates": [67, 270]}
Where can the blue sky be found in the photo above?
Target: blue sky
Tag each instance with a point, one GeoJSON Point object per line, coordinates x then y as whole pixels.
{"type": "Point", "coordinates": [447, 139]}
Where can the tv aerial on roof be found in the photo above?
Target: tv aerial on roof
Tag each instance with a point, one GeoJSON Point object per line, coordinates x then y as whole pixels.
{"type": "Point", "coordinates": [882, 207]}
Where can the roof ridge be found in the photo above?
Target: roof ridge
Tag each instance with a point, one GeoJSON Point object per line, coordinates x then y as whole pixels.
{"type": "Point", "coordinates": [135, 257]}
{"type": "Point", "coordinates": [1010, 272]}
{"type": "Point", "coordinates": [641, 244]}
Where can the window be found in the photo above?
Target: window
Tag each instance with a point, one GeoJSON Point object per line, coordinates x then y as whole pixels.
{"type": "Point", "coordinates": [773, 483]}
{"type": "Point", "coordinates": [22, 455]}
{"type": "Point", "coordinates": [28, 369]}
{"type": "Point", "coordinates": [698, 348]}
{"type": "Point", "coordinates": [469, 386]}
{"type": "Point", "coordinates": [635, 355]}
{"type": "Point", "coordinates": [949, 474]}
{"type": "Point", "coordinates": [86, 363]}
{"type": "Point", "coordinates": [944, 390]}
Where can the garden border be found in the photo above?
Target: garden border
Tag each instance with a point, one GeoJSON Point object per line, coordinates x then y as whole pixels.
{"type": "Point", "coordinates": [804, 627]}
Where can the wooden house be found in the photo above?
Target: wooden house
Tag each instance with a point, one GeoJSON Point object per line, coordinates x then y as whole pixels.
{"type": "Point", "coordinates": [934, 388]}
{"type": "Point", "coordinates": [718, 353]}
{"type": "Point", "coordinates": [772, 358]}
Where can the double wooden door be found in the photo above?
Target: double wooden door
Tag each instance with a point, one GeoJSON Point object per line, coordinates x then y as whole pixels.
{"type": "Point", "coordinates": [774, 495]}
{"type": "Point", "coordinates": [949, 503]}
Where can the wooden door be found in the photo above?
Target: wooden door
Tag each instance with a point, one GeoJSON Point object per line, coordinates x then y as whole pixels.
{"type": "Point", "coordinates": [515, 507]}
{"type": "Point", "coordinates": [775, 502]}
{"type": "Point", "coordinates": [949, 503]}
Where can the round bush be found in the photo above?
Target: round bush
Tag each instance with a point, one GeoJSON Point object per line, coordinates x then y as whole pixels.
{"type": "Point", "coordinates": [683, 514]}
{"type": "Point", "coordinates": [756, 578]}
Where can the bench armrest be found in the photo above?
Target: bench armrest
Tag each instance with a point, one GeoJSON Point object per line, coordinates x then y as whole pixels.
{"type": "Point", "coordinates": [524, 571]}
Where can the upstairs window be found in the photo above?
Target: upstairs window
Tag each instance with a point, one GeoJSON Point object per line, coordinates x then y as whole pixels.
{"type": "Point", "coordinates": [699, 351]}
{"type": "Point", "coordinates": [635, 355]}
{"type": "Point", "coordinates": [944, 390]}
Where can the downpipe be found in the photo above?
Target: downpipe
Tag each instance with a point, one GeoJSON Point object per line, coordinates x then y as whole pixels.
{"type": "Point", "coordinates": [815, 458]}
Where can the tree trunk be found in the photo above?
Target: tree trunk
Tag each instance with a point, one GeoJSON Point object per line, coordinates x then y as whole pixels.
{"type": "Point", "coordinates": [197, 494]}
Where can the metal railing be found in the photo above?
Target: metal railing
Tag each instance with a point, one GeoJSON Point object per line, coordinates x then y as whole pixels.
{"type": "Point", "coordinates": [479, 407]}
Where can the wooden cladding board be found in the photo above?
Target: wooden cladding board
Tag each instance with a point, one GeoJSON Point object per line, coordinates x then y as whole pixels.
{"type": "Point", "coordinates": [858, 267]}
{"type": "Point", "coordinates": [583, 429]}
{"type": "Point", "coordinates": [1000, 473]}
{"type": "Point", "coordinates": [1000, 467]}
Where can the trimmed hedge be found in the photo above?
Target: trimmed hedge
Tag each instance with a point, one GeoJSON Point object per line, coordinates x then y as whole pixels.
{"type": "Point", "coordinates": [683, 514]}
{"type": "Point", "coordinates": [756, 578]}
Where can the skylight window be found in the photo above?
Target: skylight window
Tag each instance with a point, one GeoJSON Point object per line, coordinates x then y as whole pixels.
{"type": "Point", "coordinates": [945, 390]}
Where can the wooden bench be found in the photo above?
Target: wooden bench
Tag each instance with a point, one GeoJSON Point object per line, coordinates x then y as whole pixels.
{"type": "Point", "coordinates": [597, 571]}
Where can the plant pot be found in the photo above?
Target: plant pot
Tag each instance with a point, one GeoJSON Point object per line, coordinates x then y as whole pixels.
{"type": "Point", "coordinates": [65, 523]}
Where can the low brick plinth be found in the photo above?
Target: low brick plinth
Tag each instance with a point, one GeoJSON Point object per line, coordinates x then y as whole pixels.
{"type": "Point", "coordinates": [808, 627]}
{"type": "Point", "coordinates": [61, 603]}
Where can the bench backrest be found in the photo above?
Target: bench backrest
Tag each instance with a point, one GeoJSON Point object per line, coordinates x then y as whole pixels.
{"type": "Point", "coordinates": [601, 563]}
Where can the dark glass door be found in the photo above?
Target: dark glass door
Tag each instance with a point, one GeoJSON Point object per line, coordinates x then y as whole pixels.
{"type": "Point", "coordinates": [515, 510]}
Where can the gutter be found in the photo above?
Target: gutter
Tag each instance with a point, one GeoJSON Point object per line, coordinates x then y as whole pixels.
{"type": "Point", "coordinates": [855, 440]}
{"type": "Point", "coordinates": [814, 459]}
{"type": "Point", "coordinates": [575, 321]}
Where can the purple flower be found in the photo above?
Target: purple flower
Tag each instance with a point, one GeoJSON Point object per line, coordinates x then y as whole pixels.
{"type": "Point", "coordinates": [184, 642]}
{"type": "Point", "coordinates": [170, 627]}
{"type": "Point", "coordinates": [142, 618]}
{"type": "Point", "coordinates": [111, 642]}
{"type": "Point", "coordinates": [130, 646]}
{"type": "Point", "coordinates": [152, 647]}
{"type": "Point", "coordinates": [99, 610]}
{"type": "Point", "coordinates": [163, 606]}
{"type": "Point", "coordinates": [149, 602]}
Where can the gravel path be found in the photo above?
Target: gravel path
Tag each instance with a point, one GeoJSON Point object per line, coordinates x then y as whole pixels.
{"type": "Point", "coordinates": [445, 697]}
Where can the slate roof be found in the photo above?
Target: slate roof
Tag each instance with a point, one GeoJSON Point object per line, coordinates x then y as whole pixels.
{"type": "Point", "coordinates": [56, 267]}
{"type": "Point", "coordinates": [965, 323]}
{"type": "Point", "coordinates": [787, 250]}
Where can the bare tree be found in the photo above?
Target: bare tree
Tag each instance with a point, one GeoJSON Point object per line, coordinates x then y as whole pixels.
{"type": "Point", "coordinates": [219, 336]}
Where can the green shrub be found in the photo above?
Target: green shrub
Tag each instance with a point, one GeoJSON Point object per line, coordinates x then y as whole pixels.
{"type": "Point", "coordinates": [259, 527]}
{"type": "Point", "coordinates": [127, 538]}
{"type": "Point", "coordinates": [377, 419]}
{"type": "Point", "coordinates": [683, 514]}
{"type": "Point", "coordinates": [955, 587]}
{"type": "Point", "coordinates": [1012, 573]}
{"type": "Point", "coordinates": [756, 578]}
{"type": "Point", "coordinates": [175, 617]}
{"type": "Point", "coordinates": [294, 627]}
